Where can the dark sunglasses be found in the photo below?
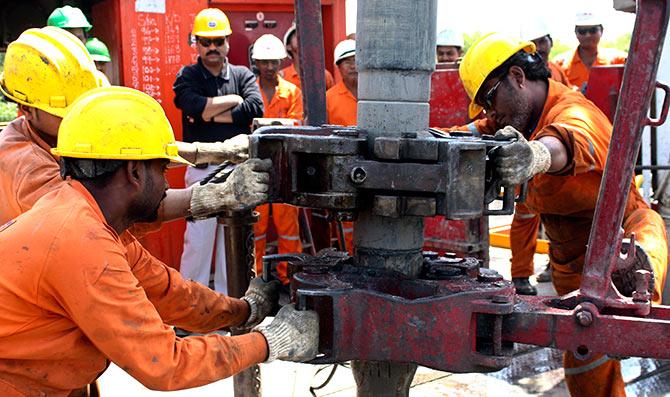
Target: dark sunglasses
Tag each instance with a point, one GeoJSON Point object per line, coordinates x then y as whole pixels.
{"type": "Point", "coordinates": [585, 31]}
{"type": "Point", "coordinates": [487, 101]}
{"type": "Point", "coordinates": [206, 41]}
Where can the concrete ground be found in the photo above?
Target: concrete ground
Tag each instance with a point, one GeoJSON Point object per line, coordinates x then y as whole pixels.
{"type": "Point", "coordinates": [534, 372]}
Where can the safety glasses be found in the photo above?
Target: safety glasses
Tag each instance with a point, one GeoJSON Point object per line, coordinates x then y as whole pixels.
{"type": "Point", "coordinates": [487, 101]}
{"type": "Point", "coordinates": [582, 31]}
{"type": "Point", "coordinates": [206, 41]}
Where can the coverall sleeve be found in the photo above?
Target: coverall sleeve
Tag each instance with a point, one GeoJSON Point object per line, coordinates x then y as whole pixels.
{"type": "Point", "coordinates": [252, 106]}
{"type": "Point", "coordinates": [180, 302]}
{"type": "Point", "coordinates": [189, 94]}
{"type": "Point", "coordinates": [581, 145]}
{"type": "Point", "coordinates": [98, 291]}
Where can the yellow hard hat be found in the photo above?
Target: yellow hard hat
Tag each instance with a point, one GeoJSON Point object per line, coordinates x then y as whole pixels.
{"type": "Point", "coordinates": [48, 69]}
{"type": "Point", "coordinates": [483, 57]}
{"type": "Point", "coordinates": [116, 123]}
{"type": "Point", "coordinates": [211, 22]}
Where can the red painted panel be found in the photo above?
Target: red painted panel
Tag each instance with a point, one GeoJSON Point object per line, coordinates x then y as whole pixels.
{"type": "Point", "coordinates": [448, 100]}
{"type": "Point", "coordinates": [604, 87]}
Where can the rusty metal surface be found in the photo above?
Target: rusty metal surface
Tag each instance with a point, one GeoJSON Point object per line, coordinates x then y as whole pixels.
{"type": "Point", "coordinates": [312, 61]}
{"type": "Point", "coordinates": [631, 116]}
{"type": "Point", "coordinates": [332, 168]}
{"type": "Point", "coordinates": [409, 320]}
{"type": "Point", "coordinates": [239, 242]}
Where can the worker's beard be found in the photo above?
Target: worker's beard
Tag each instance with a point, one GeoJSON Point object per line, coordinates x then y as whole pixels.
{"type": "Point", "coordinates": [145, 209]}
{"type": "Point", "coordinates": [520, 119]}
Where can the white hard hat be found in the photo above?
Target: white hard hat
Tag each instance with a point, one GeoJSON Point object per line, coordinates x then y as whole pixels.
{"type": "Point", "coordinates": [587, 18]}
{"type": "Point", "coordinates": [268, 47]}
{"type": "Point", "coordinates": [449, 37]}
{"type": "Point", "coordinates": [288, 34]}
{"type": "Point", "coordinates": [344, 49]}
{"type": "Point", "coordinates": [533, 28]}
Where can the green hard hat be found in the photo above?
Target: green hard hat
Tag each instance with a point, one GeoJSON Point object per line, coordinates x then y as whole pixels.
{"type": "Point", "coordinates": [68, 17]}
{"type": "Point", "coordinates": [98, 50]}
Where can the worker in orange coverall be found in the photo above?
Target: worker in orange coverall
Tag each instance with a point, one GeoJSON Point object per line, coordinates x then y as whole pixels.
{"type": "Point", "coordinates": [577, 63]}
{"type": "Point", "coordinates": [281, 99]}
{"type": "Point", "coordinates": [79, 291]}
{"type": "Point", "coordinates": [561, 148]}
{"type": "Point", "coordinates": [28, 170]}
{"type": "Point", "coordinates": [342, 106]}
{"type": "Point", "coordinates": [526, 224]}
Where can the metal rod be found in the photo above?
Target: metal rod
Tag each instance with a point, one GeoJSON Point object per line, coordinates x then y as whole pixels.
{"type": "Point", "coordinates": [631, 116]}
{"type": "Point", "coordinates": [239, 240]}
{"type": "Point", "coordinates": [312, 61]}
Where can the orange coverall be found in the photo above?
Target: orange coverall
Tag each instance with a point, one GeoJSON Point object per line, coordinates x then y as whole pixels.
{"type": "Point", "coordinates": [77, 295]}
{"type": "Point", "coordinates": [557, 73]}
{"type": "Point", "coordinates": [28, 171]}
{"type": "Point", "coordinates": [286, 103]}
{"type": "Point", "coordinates": [291, 75]}
{"type": "Point", "coordinates": [566, 202]}
{"type": "Point", "coordinates": [578, 73]}
{"type": "Point", "coordinates": [341, 109]}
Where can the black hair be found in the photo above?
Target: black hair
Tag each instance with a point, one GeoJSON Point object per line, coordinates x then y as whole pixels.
{"type": "Point", "coordinates": [95, 171]}
{"type": "Point", "coordinates": [533, 66]}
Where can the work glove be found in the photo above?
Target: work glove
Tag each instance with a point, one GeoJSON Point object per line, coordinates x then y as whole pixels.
{"type": "Point", "coordinates": [234, 150]}
{"type": "Point", "coordinates": [624, 278]}
{"type": "Point", "coordinates": [246, 187]}
{"type": "Point", "coordinates": [519, 161]}
{"type": "Point", "coordinates": [262, 297]}
{"type": "Point", "coordinates": [292, 336]}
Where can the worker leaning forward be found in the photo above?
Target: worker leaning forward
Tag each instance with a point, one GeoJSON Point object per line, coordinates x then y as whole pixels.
{"type": "Point", "coordinates": [281, 99]}
{"type": "Point", "coordinates": [218, 101]}
{"type": "Point", "coordinates": [561, 150]}
{"type": "Point", "coordinates": [526, 224]}
{"type": "Point", "coordinates": [342, 109]}
{"type": "Point", "coordinates": [80, 291]}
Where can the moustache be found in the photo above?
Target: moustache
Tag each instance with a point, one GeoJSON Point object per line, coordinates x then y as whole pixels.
{"type": "Point", "coordinates": [213, 52]}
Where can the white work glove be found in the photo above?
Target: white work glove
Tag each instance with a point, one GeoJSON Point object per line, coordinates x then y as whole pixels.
{"type": "Point", "coordinates": [519, 161]}
{"type": "Point", "coordinates": [235, 150]}
{"type": "Point", "coordinates": [292, 336]}
{"type": "Point", "coordinates": [261, 297]}
{"type": "Point", "coordinates": [246, 187]}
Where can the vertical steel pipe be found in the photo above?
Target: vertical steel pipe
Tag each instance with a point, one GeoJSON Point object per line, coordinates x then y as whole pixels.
{"type": "Point", "coordinates": [639, 82]}
{"type": "Point", "coordinates": [239, 240]}
{"type": "Point", "coordinates": [395, 57]}
{"type": "Point", "coordinates": [312, 61]}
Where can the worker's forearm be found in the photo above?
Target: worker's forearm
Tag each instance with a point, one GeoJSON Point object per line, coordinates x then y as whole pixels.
{"type": "Point", "coordinates": [187, 151]}
{"type": "Point", "coordinates": [176, 204]}
{"type": "Point", "coordinates": [558, 151]}
{"type": "Point", "coordinates": [225, 117]}
{"type": "Point", "coordinates": [220, 104]}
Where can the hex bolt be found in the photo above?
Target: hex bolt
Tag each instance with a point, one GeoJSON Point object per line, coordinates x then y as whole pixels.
{"type": "Point", "coordinates": [584, 317]}
{"type": "Point", "coordinates": [502, 299]}
{"type": "Point", "coordinates": [358, 175]}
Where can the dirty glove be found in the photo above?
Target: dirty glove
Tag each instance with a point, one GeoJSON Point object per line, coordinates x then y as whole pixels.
{"type": "Point", "coordinates": [235, 150]}
{"type": "Point", "coordinates": [246, 187]}
{"type": "Point", "coordinates": [262, 297]}
{"type": "Point", "coordinates": [293, 335]}
{"type": "Point", "coordinates": [519, 161]}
